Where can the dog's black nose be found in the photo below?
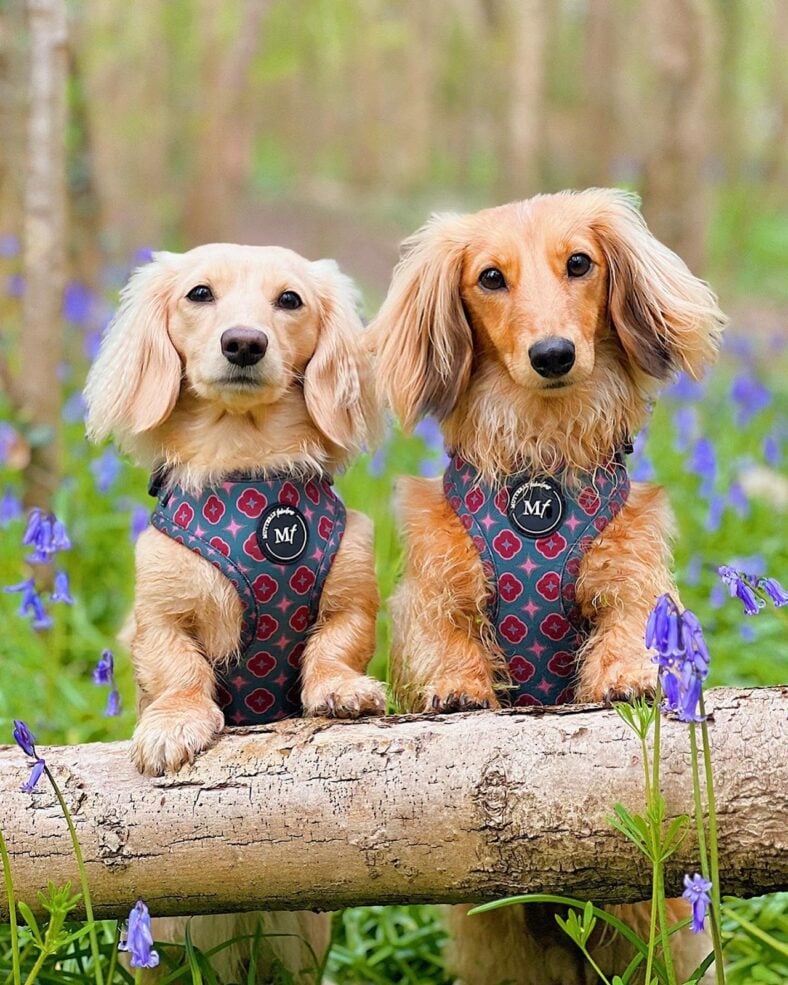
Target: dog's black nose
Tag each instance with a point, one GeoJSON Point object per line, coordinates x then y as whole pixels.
{"type": "Point", "coordinates": [244, 346]}
{"type": "Point", "coordinates": [552, 357]}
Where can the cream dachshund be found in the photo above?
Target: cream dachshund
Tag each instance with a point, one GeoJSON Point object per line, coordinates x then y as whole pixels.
{"type": "Point", "coordinates": [238, 376]}
{"type": "Point", "coordinates": [538, 333]}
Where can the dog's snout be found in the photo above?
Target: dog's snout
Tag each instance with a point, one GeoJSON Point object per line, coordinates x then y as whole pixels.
{"type": "Point", "coordinates": [552, 357]}
{"type": "Point", "coordinates": [244, 346]}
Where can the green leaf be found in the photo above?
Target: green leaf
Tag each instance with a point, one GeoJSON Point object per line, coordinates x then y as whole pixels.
{"type": "Point", "coordinates": [29, 918]}
{"type": "Point", "coordinates": [675, 835]}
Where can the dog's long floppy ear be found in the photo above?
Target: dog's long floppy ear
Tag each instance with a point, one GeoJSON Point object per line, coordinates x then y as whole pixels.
{"type": "Point", "coordinates": [666, 318]}
{"type": "Point", "coordinates": [338, 379]}
{"type": "Point", "coordinates": [421, 335]}
{"type": "Point", "coordinates": [135, 380]}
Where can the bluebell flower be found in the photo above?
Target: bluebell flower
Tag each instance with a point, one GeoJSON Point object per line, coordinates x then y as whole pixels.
{"type": "Point", "coordinates": [35, 775]}
{"type": "Point", "coordinates": [641, 468]}
{"type": "Point", "coordinates": [9, 246]}
{"type": "Point", "coordinates": [138, 939]}
{"type": "Point", "coordinates": [140, 518]}
{"type": "Point", "coordinates": [740, 587]}
{"type": "Point", "coordinates": [682, 656]}
{"type": "Point", "coordinates": [715, 513]}
{"type": "Point", "coordinates": [15, 286]}
{"type": "Point", "coordinates": [8, 438]}
{"type": "Point", "coordinates": [772, 453]}
{"type": "Point", "coordinates": [737, 498]}
{"type": "Point", "coordinates": [106, 469]}
{"type": "Point", "coordinates": [46, 534]}
{"type": "Point", "coordinates": [377, 463]}
{"type": "Point", "coordinates": [429, 431]}
{"type": "Point", "coordinates": [717, 596]}
{"type": "Point", "coordinates": [693, 570]}
{"type": "Point", "coordinates": [26, 741]}
{"type": "Point", "coordinates": [104, 675]}
{"type": "Point", "coordinates": [697, 891]}
{"type": "Point", "coordinates": [92, 344]}
{"type": "Point", "coordinates": [685, 422]}
{"type": "Point", "coordinates": [747, 632]}
{"type": "Point", "coordinates": [104, 669]}
{"type": "Point", "coordinates": [62, 592]}
{"type": "Point", "coordinates": [74, 409]}
{"type": "Point", "coordinates": [77, 302]}
{"type": "Point", "coordinates": [31, 603]}
{"type": "Point", "coordinates": [685, 388]}
{"type": "Point", "coordinates": [774, 590]}
{"type": "Point", "coordinates": [10, 508]}
{"type": "Point", "coordinates": [24, 738]}
{"type": "Point", "coordinates": [703, 462]}
{"type": "Point", "coordinates": [751, 397]}
{"type": "Point", "coordinates": [144, 254]}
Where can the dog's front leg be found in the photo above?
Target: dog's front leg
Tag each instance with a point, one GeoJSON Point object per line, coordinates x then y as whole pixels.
{"type": "Point", "coordinates": [184, 608]}
{"type": "Point", "coordinates": [443, 653]}
{"type": "Point", "coordinates": [624, 572]}
{"type": "Point", "coordinates": [333, 682]}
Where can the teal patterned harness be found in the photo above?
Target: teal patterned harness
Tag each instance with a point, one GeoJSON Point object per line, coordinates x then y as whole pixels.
{"type": "Point", "coordinates": [275, 539]}
{"type": "Point", "coordinates": [531, 534]}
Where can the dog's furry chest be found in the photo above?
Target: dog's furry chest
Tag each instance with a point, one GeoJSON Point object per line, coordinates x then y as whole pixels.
{"type": "Point", "coordinates": [275, 539]}
{"type": "Point", "coordinates": [531, 532]}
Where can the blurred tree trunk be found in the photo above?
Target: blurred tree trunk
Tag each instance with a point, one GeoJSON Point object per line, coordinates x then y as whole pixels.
{"type": "Point", "coordinates": [13, 72]}
{"type": "Point", "coordinates": [523, 167]}
{"type": "Point", "coordinates": [777, 146]}
{"type": "Point", "coordinates": [135, 124]}
{"type": "Point", "coordinates": [599, 125]}
{"type": "Point", "coordinates": [730, 123]}
{"type": "Point", "coordinates": [675, 185]}
{"type": "Point", "coordinates": [44, 245]}
{"type": "Point", "coordinates": [224, 137]}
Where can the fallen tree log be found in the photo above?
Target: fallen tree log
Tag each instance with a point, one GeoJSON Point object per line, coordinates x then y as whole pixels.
{"type": "Point", "coordinates": [313, 814]}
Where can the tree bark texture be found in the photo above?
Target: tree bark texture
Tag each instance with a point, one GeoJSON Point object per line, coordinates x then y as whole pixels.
{"type": "Point", "coordinates": [313, 814]}
{"type": "Point", "coordinates": [38, 386]}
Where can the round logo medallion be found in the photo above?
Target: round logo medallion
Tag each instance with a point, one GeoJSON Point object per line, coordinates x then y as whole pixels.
{"type": "Point", "coordinates": [536, 507]}
{"type": "Point", "coordinates": [282, 533]}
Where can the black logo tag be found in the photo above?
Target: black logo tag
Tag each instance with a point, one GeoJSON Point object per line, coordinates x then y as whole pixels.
{"type": "Point", "coordinates": [282, 533]}
{"type": "Point", "coordinates": [536, 507]}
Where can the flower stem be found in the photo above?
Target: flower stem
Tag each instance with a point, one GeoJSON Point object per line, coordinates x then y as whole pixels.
{"type": "Point", "coordinates": [652, 932]}
{"type": "Point", "coordinates": [714, 866]}
{"type": "Point", "coordinates": [704, 859]}
{"type": "Point", "coordinates": [114, 959]}
{"type": "Point", "coordinates": [82, 878]}
{"type": "Point", "coordinates": [9, 889]}
{"type": "Point", "coordinates": [31, 978]}
{"type": "Point", "coordinates": [658, 892]}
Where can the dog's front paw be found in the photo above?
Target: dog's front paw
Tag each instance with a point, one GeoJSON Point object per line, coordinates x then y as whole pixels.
{"type": "Point", "coordinates": [349, 696]}
{"type": "Point", "coordinates": [452, 696]}
{"type": "Point", "coordinates": [620, 680]}
{"type": "Point", "coordinates": [172, 731]}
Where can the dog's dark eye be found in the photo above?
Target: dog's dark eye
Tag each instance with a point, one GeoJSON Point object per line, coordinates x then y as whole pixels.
{"type": "Point", "coordinates": [578, 264]}
{"type": "Point", "coordinates": [492, 279]}
{"type": "Point", "coordinates": [201, 294]}
{"type": "Point", "coordinates": [289, 300]}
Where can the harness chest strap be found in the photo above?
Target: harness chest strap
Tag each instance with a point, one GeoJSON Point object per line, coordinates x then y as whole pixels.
{"type": "Point", "coordinates": [531, 533]}
{"type": "Point", "coordinates": [275, 539]}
